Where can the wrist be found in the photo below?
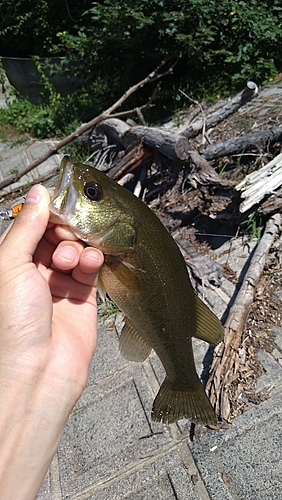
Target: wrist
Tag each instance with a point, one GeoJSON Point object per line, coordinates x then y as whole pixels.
{"type": "Point", "coordinates": [32, 420]}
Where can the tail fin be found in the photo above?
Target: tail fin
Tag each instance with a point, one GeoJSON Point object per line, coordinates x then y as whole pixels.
{"type": "Point", "coordinates": [172, 403]}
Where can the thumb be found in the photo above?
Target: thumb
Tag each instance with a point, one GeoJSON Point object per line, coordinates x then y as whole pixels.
{"type": "Point", "coordinates": [29, 226]}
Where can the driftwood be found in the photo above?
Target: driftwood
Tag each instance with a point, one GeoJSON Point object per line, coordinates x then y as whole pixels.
{"type": "Point", "coordinates": [152, 77]}
{"type": "Point", "coordinates": [258, 184]}
{"type": "Point", "coordinates": [224, 368]}
{"type": "Point", "coordinates": [221, 114]}
{"type": "Point", "coordinates": [239, 144]}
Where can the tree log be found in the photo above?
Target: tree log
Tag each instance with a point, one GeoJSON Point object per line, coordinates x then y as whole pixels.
{"type": "Point", "coordinates": [173, 146]}
{"type": "Point", "coordinates": [239, 144]}
{"type": "Point", "coordinates": [225, 363]}
{"type": "Point", "coordinates": [221, 114]}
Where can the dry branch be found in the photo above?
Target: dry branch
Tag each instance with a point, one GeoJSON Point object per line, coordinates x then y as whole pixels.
{"type": "Point", "coordinates": [224, 368]}
{"type": "Point", "coordinates": [153, 76]}
{"type": "Point", "coordinates": [239, 144]}
{"type": "Point", "coordinates": [258, 184]}
{"type": "Point", "coordinates": [221, 114]}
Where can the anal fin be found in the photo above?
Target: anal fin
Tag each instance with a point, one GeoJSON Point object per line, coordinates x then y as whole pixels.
{"type": "Point", "coordinates": [208, 326]}
{"type": "Point", "coordinates": [131, 344]}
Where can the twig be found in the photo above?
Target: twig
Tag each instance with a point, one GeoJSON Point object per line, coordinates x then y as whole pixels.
{"type": "Point", "coordinates": [203, 114]}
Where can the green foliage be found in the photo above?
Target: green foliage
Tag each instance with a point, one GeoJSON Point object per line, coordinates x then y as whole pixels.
{"type": "Point", "coordinates": [253, 226]}
{"type": "Point", "coordinates": [28, 27]}
{"type": "Point", "coordinates": [220, 45]}
{"type": "Point", "coordinates": [106, 309]}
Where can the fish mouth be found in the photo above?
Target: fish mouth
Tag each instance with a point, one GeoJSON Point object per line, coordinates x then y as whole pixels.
{"type": "Point", "coordinates": [64, 198]}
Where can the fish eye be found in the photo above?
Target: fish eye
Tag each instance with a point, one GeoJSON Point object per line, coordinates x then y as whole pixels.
{"type": "Point", "coordinates": [92, 191]}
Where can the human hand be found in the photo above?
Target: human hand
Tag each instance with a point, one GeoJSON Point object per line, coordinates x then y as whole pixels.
{"type": "Point", "coordinates": [48, 335]}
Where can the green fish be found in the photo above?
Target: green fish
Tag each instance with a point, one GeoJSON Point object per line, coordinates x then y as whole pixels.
{"type": "Point", "coordinates": [145, 274]}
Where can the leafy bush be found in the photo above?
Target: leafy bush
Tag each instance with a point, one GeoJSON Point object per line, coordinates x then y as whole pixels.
{"type": "Point", "coordinates": [221, 44]}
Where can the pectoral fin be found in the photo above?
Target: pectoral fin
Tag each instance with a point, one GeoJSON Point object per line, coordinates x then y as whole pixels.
{"type": "Point", "coordinates": [208, 326]}
{"type": "Point", "coordinates": [132, 345]}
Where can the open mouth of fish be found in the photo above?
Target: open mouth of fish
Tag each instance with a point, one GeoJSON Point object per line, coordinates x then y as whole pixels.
{"type": "Point", "coordinates": [65, 196]}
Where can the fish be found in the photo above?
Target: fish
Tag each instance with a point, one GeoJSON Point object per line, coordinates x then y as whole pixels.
{"type": "Point", "coordinates": [145, 275]}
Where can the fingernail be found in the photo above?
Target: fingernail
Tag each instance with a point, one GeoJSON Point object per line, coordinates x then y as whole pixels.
{"type": "Point", "coordinates": [92, 254]}
{"type": "Point", "coordinates": [67, 253]}
{"type": "Point", "coordinates": [34, 194]}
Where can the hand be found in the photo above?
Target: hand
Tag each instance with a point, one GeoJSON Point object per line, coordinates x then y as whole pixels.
{"type": "Point", "coordinates": [48, 336]}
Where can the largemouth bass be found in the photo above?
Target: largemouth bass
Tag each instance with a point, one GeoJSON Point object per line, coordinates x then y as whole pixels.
{"type": "Point", "coordinates": [145, 274]}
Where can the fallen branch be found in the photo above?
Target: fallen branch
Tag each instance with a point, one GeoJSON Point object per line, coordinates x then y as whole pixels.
{"type": "Point", "coordinates": [133, 157]}
{"type": "Point", "coordinates": [224, 368]}
{"type": "Point", "coordinates": [239, 144]}
{"type": "Point", "coordinates": [153, 76]}
{"type": "Point", "coordinates": [221, 114]}
{"type": "Point", "coordinates": [173, 146]}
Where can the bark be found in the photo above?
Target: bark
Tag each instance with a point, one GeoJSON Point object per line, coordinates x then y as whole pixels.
{"type": "Point", "coordinates": [225, 363]}
{"type": "Point", "coordinates": [221, 114]}
{"type": "Point", "coordinates": [258, 184]}
{"type": "Point", "coordinates": [240, 144]}
{"type": "Point", "coordinates": [271, 205]}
